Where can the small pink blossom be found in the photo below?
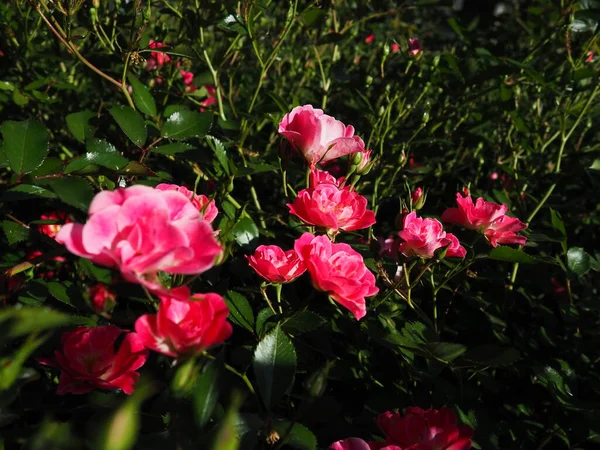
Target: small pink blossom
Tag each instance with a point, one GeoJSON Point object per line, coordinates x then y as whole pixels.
{"type": "Point", "coordinates": [488, 218]}
{"type": "Point", "coordinates": [395, 47]}
{"type": "Point", "coordinates": [414, 46]}
{"type": "Point", "coordinates": [422, 237]}
{"type": "Point", "coordinates": [317, 136]}
{"type": "Point", "coordinates": [157, 59]}
{"type": "Point", "coordinates": [369, 38]}
{"type": "Point", "coordinates": [326, 205]}
{"type": "Point", "coordinates": [212, 96]}
{"type": "Point", "coordinates": [51, 230]}
{"type": "Point", "coordinates": [338, 270]}
{"type": "Point", "coordinates": [275, 265]}
{"type": "Point", "coordinates": [101, 297]}
{"type": "Point", "coordinates": [142, 231]}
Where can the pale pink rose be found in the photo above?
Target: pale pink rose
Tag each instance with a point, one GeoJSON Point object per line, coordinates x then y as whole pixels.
{"type": "Point", "coordinates": [142, 231]}
{"type": "Point", "coordinates": [338, 270]}
{"type": "Point", "coordinates": [184, 324]}
{"type": "Point", "coordinates": [276, 265]}
{"type": "Point", "coordinates": [422, 237]}
{"type": "Point", "coordinates": [318, 136]}
{"type": "Point", "coordinates": [326, 205]}
{"type": "Point", "coordinates": [157, 59]}
{"type": "Point", "coordinates": [488, 218]}
{"type": "Point", "coordinates": [414, 46]}
{"type": "Point", "coordinates": [420, 429]}
{"type": "Point", "coordinates": [207, 207]}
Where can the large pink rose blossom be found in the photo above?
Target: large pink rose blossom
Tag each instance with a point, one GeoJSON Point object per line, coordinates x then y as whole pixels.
{"type": "Point", "coordinates": [318, 136]}
{"type": "Point", "coordinates": [420, 429]}
{"type": "Point", "coordinates": [488, 218]}
{"type": "Point", "coordinates": [142, 231]}
{"type": "Point", "coordinates": [276, 265]}
{"type": "Point", "coordinates": [422, 237]}
{"type": "Point", "coordinates": [326, 205]}
{"type": "Point", "coordinates": [338, 270]}
{"type": "Point", "coordinates": [206, 206]}
{"type": "Point", "coordinates": [185, 324]}
{"type": "Point", "coordinates": [88, 360]}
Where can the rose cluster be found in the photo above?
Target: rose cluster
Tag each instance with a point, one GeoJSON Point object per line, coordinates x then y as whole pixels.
{"type": "Point", "coordinates": [328, 205]}
{"type": "Point", "coordinates": [142, 231]}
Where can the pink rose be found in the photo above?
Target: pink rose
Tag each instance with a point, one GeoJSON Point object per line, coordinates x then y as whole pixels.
{"type": "Point", "coordinates": [488, 218]}
{"type": "Point", "coordinates": [188, 77]}
{"type": "Point", "coordinates": [207, 207]}
{"type": "Point", "coordinates": [142, 231]}
{"type": "Point", "coordinates": [420, 429]}
{"type": "Point", "coordinates": [414, 46]}
{"type": "Point", "coordinates": [395, 47]}
{"type": "Point", "coordinates": [422, 237]}
{"type": "Point", "coordinates": [326, 205]}
{"type": "Point", "coordinates": [101, 297]}
{"type": "Point", "coordinates": [275, 265]}
{"type": "Point", "coordinates": [88, 360]}
{"type": "Point", "coordinates": [338, 270]}
{"type": "Point", "coordinates": [358, 444]}
{"type": "Point", "coordinates": [185, 325]}
{"type": "Point", "coordinates": [212, 96]}
{"type": "Point", "coordinates": [369, 38]}
{"type": "Point", "coordinates": [318, 136]}
{"type": "Point", "coordinates": [317, 177]}
{"type": "Point", "coordinates": [157, 59]}
{"type": "Point", "coordinates": [51, 230]}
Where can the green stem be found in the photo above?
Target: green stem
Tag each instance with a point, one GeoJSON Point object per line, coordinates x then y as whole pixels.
{"type": "Point", "coordinates": [235, 372]}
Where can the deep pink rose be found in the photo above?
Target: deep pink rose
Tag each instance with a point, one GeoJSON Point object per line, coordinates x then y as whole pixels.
{"type": "Point", "coordinates": [156, 59]}
{"type": "Point", "coordinates": [318, 136]}
{"type": "Point", "coordinates": [326, 205]}
{"type": "Point", "coordinates": [369, 38]}
{"type": "Point", "coordinates": [212, 96]}
{"type": "Point", "coordinates": [185, 325]}
{"type": "Point", "coordinates": [101, 297]}
{"type": "Point", "coordinates": [188, 77]}
{"type": "Point", "coordinates": [338, 270]}
{"type": "Point", "coordinates": [488, 218]}
{"type": "Point", "coordinates": [88, 360]}
{"type": "Point", "coordinates": [52, 229]}
{"type": "Point", "coordinates": [420, 429]}
{"type": "Point", "coordinates": [414, 46]}
{"type": "Point", "coordinates": [206, 206]}
{"type": "Point", "coordinates": [422, 237]}
{"type": "Point", "coordinates": [323, 177]}
{"type": "Point", "coordinates": [276, 265]}
{"type": "Point", "coordinates": [142, 231]}
{"type": "Point", "coordinates": [358, 444]}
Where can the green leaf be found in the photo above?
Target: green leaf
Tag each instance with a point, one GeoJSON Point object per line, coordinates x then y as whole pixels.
{"type": "Point", "coordinates": [262, 318]}
{"type": "Point", "coordinates": [64, 292]}
{"type": "Point", "coordinates": [595, 165]}
{"type": "Point", "coordinates": [184, 124]}
{"type": "Point", "coordinates": [16, 322]}
{"type": "Point", "coordinates": [101, 274]}
{"type": "Point", "coordinates": [25, 192]}
{"type": "Point", "coordinates": [99, 152]}
{"type": "Point", "coordinates": [295, 435]}
{"type": "Point", "coordinates": [206, 392]}
{"type": "Point", "coordinates": [173, 149]}
{"type": "Point", "coordinates": [492, 355]}
{"type": "Point", "coordinates": [11, 367]}
{"type": "Point", "coordinates": [240, 310]}
{"type": "Point", "coordinates": [76, 192]}
{"type": "Point", "coordinates": [6, 86]}
{"type": "Point", "coordinates": [14, 232]}
{"type": "Point", "coordinates": [19, 98]}
{"type": "Point", "coordinates": [508, 254]}
{"type": "Point", "coordinates": [444, 351]}
{"type": "Point", "coordinates": [141, 96]}
{"type": "Point", "coordinates": [78, 124]}
{"type": "Point", "coordinates": [131, 123]}
{"type": "Point", "coordinates": [274, 365]}
{"type": "Point", "coordinates": [578, 261]}
{"type": "Point", "coordinates": [25, 144]}
{"type": "Point", "coordinates": [303, 322]}
{"type": "Point", "coordinates": [226, 438]}
{"type": "Point", "coordinates": [256, 168]}
{"type": "Point", "coordinates": [245, 231]}
{"type": "Point", "coordinates": [219, 149]}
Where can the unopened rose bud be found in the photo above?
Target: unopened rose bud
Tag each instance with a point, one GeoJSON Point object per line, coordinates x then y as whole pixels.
{"type": "Point", "coordinates": [96, 3]}
{"type": "Point", "coordinates": [185, 379]}
{"type": "Point", "coordinates": [101, 298]}
{"type": "Point", "coordinates": [362, 161]}
{"type": "Point", "coordinates": [414, 46]}
{"type": "Point", "coordinates": [418, 197]}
